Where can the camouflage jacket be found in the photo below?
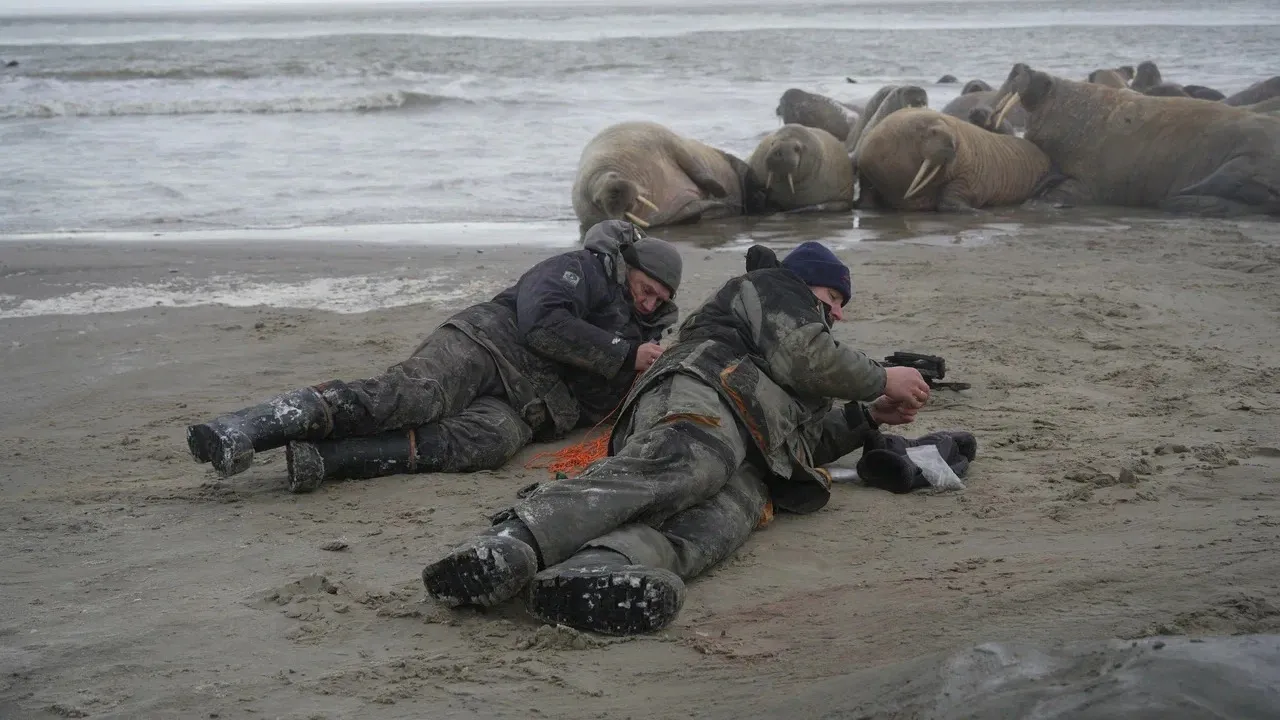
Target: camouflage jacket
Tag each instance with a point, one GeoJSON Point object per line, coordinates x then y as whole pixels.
{"type": "Point", "coordinates": [764, 343]}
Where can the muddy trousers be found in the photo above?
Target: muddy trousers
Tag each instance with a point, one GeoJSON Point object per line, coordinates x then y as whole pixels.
{"type": "Point", "coordinates": [442, 410]}
{"type": "Point", "coordinates": [683, 447]}
{"type": "Point", "coordinates": [694, 540]}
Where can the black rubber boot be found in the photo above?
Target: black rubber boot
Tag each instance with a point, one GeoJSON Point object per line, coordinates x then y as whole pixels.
{"type": "Point", "coordinates": [357, 458]}
{"type": "Point", "coordinates": [599, 591]}
{"type": "Point", "coordinates": [489, 569]}
{"type": "Point", "coordinates": [230, 441]}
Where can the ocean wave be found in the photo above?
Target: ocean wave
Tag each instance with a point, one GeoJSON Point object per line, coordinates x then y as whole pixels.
{"type": "Point", "coordinates": [391, 100]}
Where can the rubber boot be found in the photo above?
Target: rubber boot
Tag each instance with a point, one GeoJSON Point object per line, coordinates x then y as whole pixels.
{"type": "Point", "coordinates": [356, 458]}
{"type": "Point", "coordinates": [230, 441]}
{"type": "Point", "coordinates": [598, 590]}
{"type": "Point", "coordinates": [489, 569]}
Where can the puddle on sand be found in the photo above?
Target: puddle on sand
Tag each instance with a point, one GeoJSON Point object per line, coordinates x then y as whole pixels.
{"type": "Point", "coordinates": [929, 228]}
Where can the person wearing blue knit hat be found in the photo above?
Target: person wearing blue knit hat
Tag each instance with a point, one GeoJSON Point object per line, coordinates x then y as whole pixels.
{"type": "Point", "coordinates": [736, 418]}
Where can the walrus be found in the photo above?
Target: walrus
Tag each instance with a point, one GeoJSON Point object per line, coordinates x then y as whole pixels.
{"type": "Point", "coordinates": [886, 101]}
{"type": "Point", "coordinates": [797, 107]}
{"type": "Point", "coordinates": [974, 86]}
{"type": "Point", "coordinates": [976, 107]}
{"type": "Point", "coordinates": [1204, 93]}
{"type": "Point", "coordinates": [981, 116]}
{"type": "Point", "coordinates": [1256, 93]}
{"type": "Point", "coordinates": [921, 159]}
{"type": "Point", "coordinates": [646, 173]}
{"type": "Point", "coordinates": [1270, 105]}
{"type": "Point", "coordinates": [804, 168]}
{"type": "Point", "coordinates": [1110, 78]}
{"type": "Point", "coordinates": [1115, 147]}
{"type": "Point", "coordinates": [947, 79]}
{"type": "Point", "coordinates": [1147, 76]}
{"type": "Point", "coordinates": [1165, 90]}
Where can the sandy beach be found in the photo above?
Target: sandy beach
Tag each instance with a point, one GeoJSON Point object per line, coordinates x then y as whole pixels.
{"type": "Point", "coordinates": [1125, 400]}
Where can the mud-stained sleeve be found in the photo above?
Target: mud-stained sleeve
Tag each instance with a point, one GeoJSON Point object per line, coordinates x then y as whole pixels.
{"type": "Point", "coordinates": [844, 430]}
{"type": "Point", "coordinates": [800, 351]}
{"type": "Point", "coordinates": [550, 307]}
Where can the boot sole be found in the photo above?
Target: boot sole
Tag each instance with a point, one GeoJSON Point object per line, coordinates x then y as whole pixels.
{"type": "Point", "coordinates": [306, 467]}
{"type": "Point", "coordinates": [609, 600]}
{"type": "Point", "coordinates": [486, 573]}
{"type": "Point", "coordinates": [230, 451]}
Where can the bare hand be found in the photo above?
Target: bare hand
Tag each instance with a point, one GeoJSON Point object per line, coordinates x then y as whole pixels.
{"type": "Point", "coordinates": [906, 386]}
{"type": "Point", "coordinates": [889, 412]}
{"type": "Point", "coordinates": [646, 354]}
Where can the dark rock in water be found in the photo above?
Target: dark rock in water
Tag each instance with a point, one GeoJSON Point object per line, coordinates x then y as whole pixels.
{"type": "Point", "coordinates": [849, 79]}
{"type": "Point", "coordinates": [947, 79]}
{"type": "Point", "coordinates": [1219, 677]}
{"type": "Point", "coordinates": [11, 63]}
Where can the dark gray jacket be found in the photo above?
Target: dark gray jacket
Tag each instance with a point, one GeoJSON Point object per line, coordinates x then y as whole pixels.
{"type": "Point", "coordinates": [565, 335]}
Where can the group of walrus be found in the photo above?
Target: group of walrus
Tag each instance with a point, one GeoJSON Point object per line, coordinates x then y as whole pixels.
{"type": "Point", "coordinates": [1121, 137]}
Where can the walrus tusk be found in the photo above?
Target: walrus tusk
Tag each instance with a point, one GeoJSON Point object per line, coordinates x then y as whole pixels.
{"type": "Point", "coordinates": [791, 183]}
{"type": "Point", "coordinates": [917, 184]}
{"type": "Point", "coordinates": [636, 220]}
{"type": "Point", "coordinates": [647, 203]}
{"type": "Point", "coordinates": [1004, 108]}
{"type": "Point", "coordinates": [768, 180]}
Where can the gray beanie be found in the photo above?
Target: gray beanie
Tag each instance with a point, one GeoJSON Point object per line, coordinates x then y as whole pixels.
{"type": "Point", "coordinates": [659, 260]}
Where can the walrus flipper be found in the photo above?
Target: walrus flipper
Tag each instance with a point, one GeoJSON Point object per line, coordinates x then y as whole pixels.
{"type": "Point", "coordinates": [697, 170]}
{"type": "Point", "coordinates": [1232, 190]}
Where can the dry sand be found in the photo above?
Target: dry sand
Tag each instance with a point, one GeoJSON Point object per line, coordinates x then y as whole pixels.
{"type": "Point", "coordinates": [1125, 384]}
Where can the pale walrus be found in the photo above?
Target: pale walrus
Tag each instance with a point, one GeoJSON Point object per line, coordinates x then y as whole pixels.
{"type": "Point", "coordinates": [1109, 78]}
{"type": "Point", "coordinates": [804, 169]}
{"type": "Point", "coordinates": [645, 173]}
{"type": "Point", "coordinates": [816, 111]}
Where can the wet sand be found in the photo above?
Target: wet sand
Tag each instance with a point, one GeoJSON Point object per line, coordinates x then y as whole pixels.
{"type": "Point", "coordinates": [1125, 395]}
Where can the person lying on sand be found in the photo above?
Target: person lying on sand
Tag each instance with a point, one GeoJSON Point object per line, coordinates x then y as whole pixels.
{"type": "Point", "coordinates": [733, 419]}
{"type": "Point", "coordinates": [557, 350]}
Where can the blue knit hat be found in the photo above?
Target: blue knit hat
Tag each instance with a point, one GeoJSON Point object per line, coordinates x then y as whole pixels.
{"type": "Point", "coordinates": [820, 267]}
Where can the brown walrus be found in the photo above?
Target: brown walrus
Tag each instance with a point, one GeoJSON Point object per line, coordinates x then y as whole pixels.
{"type": "Point", "coordinates": [1110, 78]}
{"type": "Point", "coordinates": [921, 159]}
{"type": "Point", "coordinates": [887, 100]}
{"type": "Point", "coordinates": [646, 173]}
{"type": "Point", "coordinates": [804, 168]}
{"type": "Point", "coordinates": [1116, 147]}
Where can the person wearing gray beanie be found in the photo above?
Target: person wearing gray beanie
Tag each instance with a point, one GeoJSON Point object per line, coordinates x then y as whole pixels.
{"type": "Point", "coordinates": [556, 351]}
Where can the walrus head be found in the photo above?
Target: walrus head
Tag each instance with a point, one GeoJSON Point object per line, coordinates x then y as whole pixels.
{"type": "Point", "coordinates": [617, 197]}
{"type": "Point", "coordinates": [1127, 71]}
{"type": "Point", "coordinates": [783, 160]}
{"type": "Point", "coordinates": [1024, 86]}
{"type": "Point", "coordinates": [1148, 76]}
{"type": "Point", "coordinates": [974, 86]}
{"type": "Point", "coordinates": [938, 146]}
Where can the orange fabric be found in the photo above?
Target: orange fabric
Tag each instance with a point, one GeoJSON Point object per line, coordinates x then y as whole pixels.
{"type": "Point", "coordinates": [573, 459]}
{"type": "Point", "coordinates": [766, 515]}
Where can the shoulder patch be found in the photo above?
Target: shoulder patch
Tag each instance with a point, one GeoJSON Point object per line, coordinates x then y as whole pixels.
{"type": "Point", "coordinates": [571, 278]}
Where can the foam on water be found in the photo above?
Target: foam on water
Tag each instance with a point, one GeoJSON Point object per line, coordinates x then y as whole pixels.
{"type": "Point", "coordinates": [346, 295]}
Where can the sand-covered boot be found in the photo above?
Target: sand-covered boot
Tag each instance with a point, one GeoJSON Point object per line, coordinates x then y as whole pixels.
{"type": "Point", "coordinates": [357, 458]}
{"type": "Point", "coordinates": [598, 590]}
{"type": "Point", "coordinates": [230, 441]}
{"type": "Point", "coordinates": [489, 569]}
